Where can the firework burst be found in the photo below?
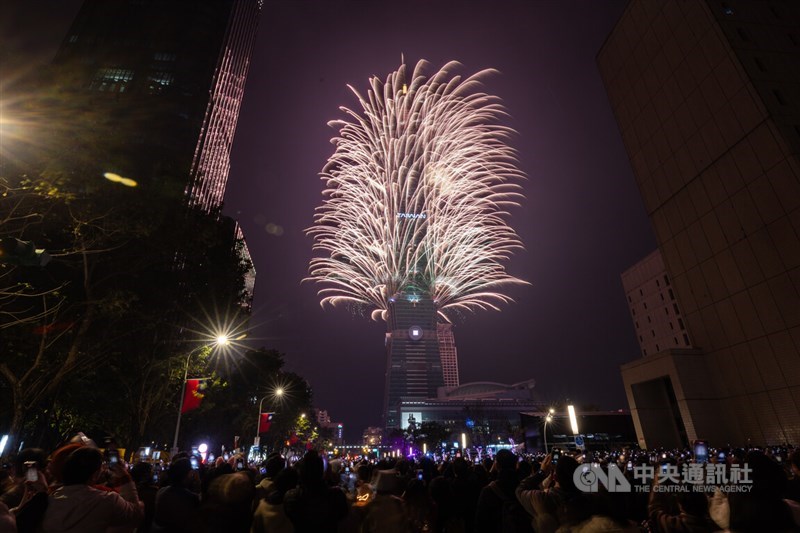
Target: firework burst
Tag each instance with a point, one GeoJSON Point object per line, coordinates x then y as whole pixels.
{"type": "Point", "coordinates": [417, 196]}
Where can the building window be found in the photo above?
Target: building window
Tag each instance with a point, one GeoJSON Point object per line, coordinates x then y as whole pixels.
{"type": "Point", "coordinates": [686, 339]}
{"type": "Point", "coordinates": [657, 348]}
{"type": "Point", "coordinates": [653, 332]}
{"type": "Point", "coordinates": [657, 284]}
{"type": "Point", "coordinates": [629, 298]}
{"type": "Point", "coordinates": [666, 311]}
{"type": "Point", "coordinates": [779, 97]}
{"type": "Point", "coordinates": [675, 308]}
{"type": "Point", "coordinates": [676, 340]}
{"type": "Point", "coordinates": [666, 280]}
{"type": "Point", "coordinates": [640, 339]}
{"type": "Point", "coordinates": [648, 319]}
{"type": "Point", "coordinates": [73, 38]}
{"type": "Point", "coordinates": [157, 81]}
{"type": "Point", "coordinates": [662, 296]}
{"type": "Point", "coordinates": [680, 323]}
{"type": "Point", "coordinates": [633, 311]}
{"type": "Point", "coordinates": [671, 295]}
{"type": "Point", "coordinates": [670, 326]}
{"type": "Point", "coordinates": [165, 56]}
{"type": "Point", "coordinates": [640, 292]}
{"type": "Point", "coordinates": [637, 325]}
{"type": "Point", "coordinates": [644, 352]}
{"type": "Point", "coordinates": [111, 80]}
{"type": "Point", "coordinates": [644, 304]}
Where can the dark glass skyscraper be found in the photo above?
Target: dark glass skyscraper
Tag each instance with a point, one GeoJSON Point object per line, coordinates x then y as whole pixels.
{"type": "Point", "coordinates": [154, 88]}
{"type": "Point", "coordinates": [413, 363]}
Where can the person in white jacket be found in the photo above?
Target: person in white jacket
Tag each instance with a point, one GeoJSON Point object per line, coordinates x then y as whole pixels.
{"type": "Point", "coordinates": [78, 507]}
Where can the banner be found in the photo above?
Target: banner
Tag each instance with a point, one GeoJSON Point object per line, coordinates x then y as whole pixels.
{"type": "Point", "coordinates": [264, 422]}
{"type": "Point", "coordinates": [194, 394]}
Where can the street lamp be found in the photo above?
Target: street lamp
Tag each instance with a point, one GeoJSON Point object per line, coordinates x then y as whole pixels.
{"type": "Point", "coordinates": [278, 394]}
{"type": "Point", "coordinates": [221, 340]}
{"type": "Point", "coordinates": [547, 419]}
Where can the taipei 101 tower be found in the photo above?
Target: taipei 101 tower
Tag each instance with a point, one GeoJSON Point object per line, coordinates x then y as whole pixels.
{"type": "Point", "coordinates": [412, 227]}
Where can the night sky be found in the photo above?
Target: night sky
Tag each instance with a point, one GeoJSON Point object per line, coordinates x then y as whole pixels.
{"type": "Point", "coordinates": [582, 222]}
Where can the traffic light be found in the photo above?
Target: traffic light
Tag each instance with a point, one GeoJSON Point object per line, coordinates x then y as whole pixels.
{"type": "Point", "coordinates": [22, 253]}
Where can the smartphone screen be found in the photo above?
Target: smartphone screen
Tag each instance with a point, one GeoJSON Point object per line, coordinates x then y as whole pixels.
{"type": "Point", "coordinates": [195, 464]}
{"type": "Point", "coordinates": [630, 465]}
{"type": "Point", "coordinates": [700, 451]}
{"type": "Point", "coordinates": [32, 474]}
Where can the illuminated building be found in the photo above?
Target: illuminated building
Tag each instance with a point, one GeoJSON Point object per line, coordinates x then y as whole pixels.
{"type": "Point", "coordinates": [448, 353]}
{"type": "Point", "coordinates": [169, 77]}
{"type": "Point", "coordinates": [705, 94]}
{"type": "Point", "coordinates": [413, 362]}
{"type": "Point", "coordinates": [484, 409]}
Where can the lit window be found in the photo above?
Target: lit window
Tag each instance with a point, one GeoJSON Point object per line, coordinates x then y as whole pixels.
{"type": "Point", "coordinates": [111, 80]}
{"type": "Point", "coordinates": [157, 81]}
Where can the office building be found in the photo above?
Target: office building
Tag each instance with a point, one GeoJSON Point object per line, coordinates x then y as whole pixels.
{"type": "Point", "coordinates": [707, 98]}
{"type": "Point", "coordinates": [654, 309]}
{"type": "Point", "coordinates": [448, 353]}
{"type": "Point", "coordinates": [413, 361]}
{"type": "Point", "coordinates": [153, 89]}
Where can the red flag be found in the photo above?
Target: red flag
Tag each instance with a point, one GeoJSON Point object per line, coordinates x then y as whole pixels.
{"type": "Point", "coordinates": [264, 422]}
{"type": "Point", "coordinates": [193, 395]}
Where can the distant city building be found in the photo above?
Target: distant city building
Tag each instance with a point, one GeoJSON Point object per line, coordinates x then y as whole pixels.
{"type": "Point", "coordinates": [170, 76]}
{"type": "Point", "coordinates": [448, 354]}
{"type": "Point", "coordinates": [322, 417]}
{"type": "Point", "coordinates": [413, 360]}
{"type": "Point", "coordinates": [483, 408]}
{"type": "Point", "coordinates": [654, 310]}
{"type": "Point", "coordinates": [336, 429]}
{"type": "Point", "coordinates": [707, 99]}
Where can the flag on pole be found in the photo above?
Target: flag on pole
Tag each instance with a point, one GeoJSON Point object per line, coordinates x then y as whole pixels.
{"type": "Point", "coordinates": [194, 394]}
{"type": "Point", "coordinates": [264, 422]}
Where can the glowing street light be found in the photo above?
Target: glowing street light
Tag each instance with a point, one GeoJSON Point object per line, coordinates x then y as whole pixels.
{"type": "Point", "coordinates": [573, 420]}
{"type": "Point", "coordinates": [221, 340]}
{"type": "Point", "coordinates": [277, 395]}
{"type": "Point", "coordinates": [547, 420]}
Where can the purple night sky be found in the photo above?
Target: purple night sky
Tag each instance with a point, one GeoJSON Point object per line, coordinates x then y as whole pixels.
{"type": "Point", "coordinates": [582, 222]}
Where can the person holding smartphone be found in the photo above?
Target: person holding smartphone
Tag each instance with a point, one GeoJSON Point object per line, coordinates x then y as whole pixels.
{"type": "Point", "coordinates": [77, 506]}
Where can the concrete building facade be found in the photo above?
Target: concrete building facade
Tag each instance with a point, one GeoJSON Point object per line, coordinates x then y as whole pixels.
{"type": "Point", "coordinates": [707, 98]}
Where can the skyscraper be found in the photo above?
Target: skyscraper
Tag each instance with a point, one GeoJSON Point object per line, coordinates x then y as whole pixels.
{"type": "Point", "coordinates": [413, 362]}
{"type": "Point", "coordinates": [448, 353]}
{"type": "Point", "coordinates": [155, 88]}
{"type": "Point", "coordinates": [706, 95]}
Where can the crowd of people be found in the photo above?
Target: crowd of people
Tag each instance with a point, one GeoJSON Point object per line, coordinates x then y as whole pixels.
{"type": "Point", "coordinates": [79, 488]}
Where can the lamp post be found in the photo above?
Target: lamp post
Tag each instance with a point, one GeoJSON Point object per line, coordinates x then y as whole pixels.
{"type": "Point", "coordinates": [277, 393]}
{"type": "Point", "coordinates": [547, 419]}
{"type": "Point", "coordinates": [221, 340]}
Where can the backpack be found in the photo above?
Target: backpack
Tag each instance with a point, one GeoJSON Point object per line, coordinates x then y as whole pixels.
{"type": "Point", "coordinates": [514, 517]}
